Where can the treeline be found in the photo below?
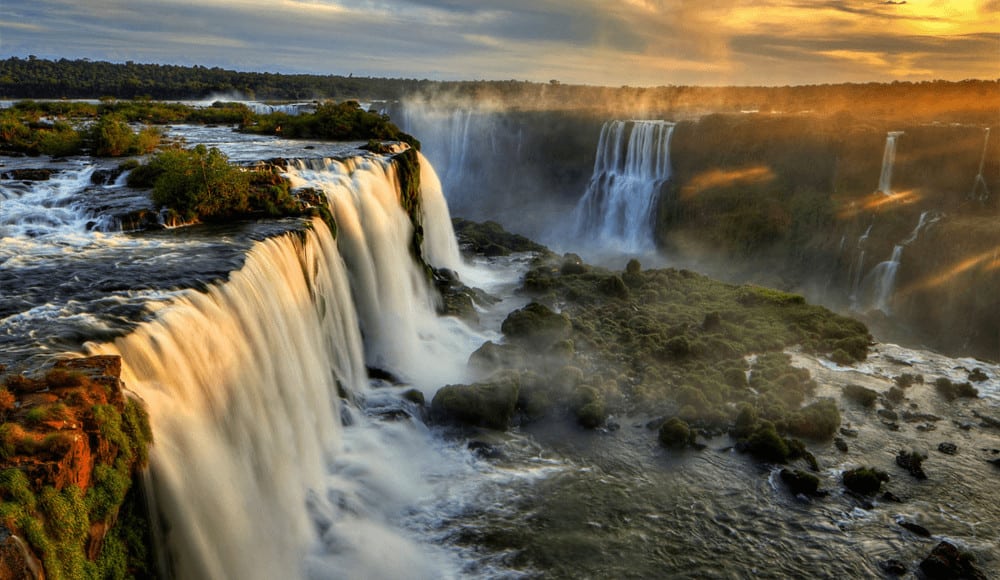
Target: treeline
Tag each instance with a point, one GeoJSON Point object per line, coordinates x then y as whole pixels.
{"type": "Point", "coordinates": [970, 101]}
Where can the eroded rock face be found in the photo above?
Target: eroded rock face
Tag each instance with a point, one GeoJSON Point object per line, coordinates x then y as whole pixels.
{"type": "Point", "coordinates": [16, 560]}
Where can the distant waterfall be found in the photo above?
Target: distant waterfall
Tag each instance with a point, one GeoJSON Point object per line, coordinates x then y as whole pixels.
{"type": "Point", "coordinates": [888, 160]}
{"type": "Point", "coordinates": [857, 267]}
{"type": "Point", "coordinates": [633, 163]}
{"type": "Point", "coordinates": [251, 467]}
{"type": "Point", "coordinates": [882, 278]}
{"type": "Point", "coordinates": [980, 182]}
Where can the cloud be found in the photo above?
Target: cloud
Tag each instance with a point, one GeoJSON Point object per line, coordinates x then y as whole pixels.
{"type": "Point", "coordinates": [637, 42]}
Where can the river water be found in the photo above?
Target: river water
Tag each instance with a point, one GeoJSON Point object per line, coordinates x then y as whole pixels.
{"type": "Point", "coordinates": [239, 339]}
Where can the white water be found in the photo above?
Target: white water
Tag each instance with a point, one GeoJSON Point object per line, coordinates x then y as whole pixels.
{"type": "Point", "coordinates": [402, 331]}
{"type": "Point", "coordinates": [882, 278]}
{"type": "Point", "coordinates": [980, 181]}
{"type": "Point", "coordinates": [252, 469]}
{"type": "Point", "coordinates": [888, 160]}
{"type": "Point", "coordinates": [633, 163]}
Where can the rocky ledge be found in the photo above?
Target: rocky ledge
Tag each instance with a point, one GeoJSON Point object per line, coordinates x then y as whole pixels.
{"type": "Point", "coordinates": [71, 445]}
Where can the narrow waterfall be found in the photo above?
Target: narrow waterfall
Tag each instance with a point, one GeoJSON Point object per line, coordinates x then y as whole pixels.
{"type": "Point", "coordinates": [888, 160]}
{"type": "Point", "coordinates": [980, 182]}
{"type": "Point", "coordinates": [633, 163]}
{"type": "Point", "coordinates": [857, 268]}
{"type": "Point", "coordinates": [882, 278]}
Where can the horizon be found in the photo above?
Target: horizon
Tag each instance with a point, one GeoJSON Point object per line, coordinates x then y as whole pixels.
{"type": "Point", "coordinates": [637, 43]}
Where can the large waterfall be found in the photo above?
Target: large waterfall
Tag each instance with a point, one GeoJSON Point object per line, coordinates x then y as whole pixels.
{"type": "Point", "coordinates": [632, 165]}
{"type": "Point", "coordinates": [243, 383]}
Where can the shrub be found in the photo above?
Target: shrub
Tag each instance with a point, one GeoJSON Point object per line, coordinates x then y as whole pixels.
{"type": "Point", "coordinates": [818, 420]}
{"type": "Point", "coordinates": [864, 480]}
{"type": "Point", "coordinates": [7, 402]}
{"type": "Point", "coordinates": [766, 444]}
{"type": "Point", "coordinates": [952, 391]}
{"type": "Point", "coordinates": [111, 136]}
{"type": "Point", "coordinates": [675, 433]}
{"type": "Point", "coordinates": [861, 395]}
{"type": "Point", "coordinates": [196, 182]}
{"type": "Point", "coordinates": [64, 379]}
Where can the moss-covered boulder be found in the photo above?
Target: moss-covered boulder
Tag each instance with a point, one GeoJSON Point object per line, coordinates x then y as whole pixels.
{"type": "Point", "coordinates": [864, 480]}
{"type": "Point", "coordinates": [675, 433]}
{"type": "Point", "coordinates": [487, 404]}
{"type": "Point", "coordinates": [800, 482]}
{"type": "Point", "coordinates": [536, 325]}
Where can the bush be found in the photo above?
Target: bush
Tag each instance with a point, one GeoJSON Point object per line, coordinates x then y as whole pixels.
{"type": "Point", "coordinates": [818, 420]}
{"type": "Point", "coordinates": [952, 391]}
{"type": "Point", "coordinates": [864, 480]}
{"type": "Point", "coordinates": [861, 395]}
{"type": "Point", "coordinates": [767, 445]}
{"type": "Point", "coordinates": [675, 433]}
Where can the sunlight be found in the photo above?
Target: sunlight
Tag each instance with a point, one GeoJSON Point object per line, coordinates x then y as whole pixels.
{"type": "Point", "coordinates": [724, 178]}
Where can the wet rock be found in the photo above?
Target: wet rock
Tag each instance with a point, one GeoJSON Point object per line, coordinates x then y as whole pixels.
{"type": "Point", "coordinates": [926, 427]}
{"type": "Point", "coordinates": [977, 375]}
{"type": "Point", "coordinates": [848, 432]}
{"type": "Point", "coordinates": [801, 482]}
{"type": "Point", "coordinates": [893, 567]}
{"type": "Point", "coordinates": [887, 416]}
{"type": "Point", "coordinates": [378, 374]}
{"type": "Point", "coordinates": [915, 528]}
{"type": "Point", "coordinates": [840, 444]}
{"type": "Point", "coordinates": [987, 421]}
{"type": "Point", "coordinates": [536, 325]}
{"type": "Point", "coordinates": [485, 450]}
{"type": "Point", "coordinates": [912, 461]}
{"type": "Point", "coordinates": [489, 404]}
{"type": "Point", "coordinates": [948, 448]}
{"type": "Point", "coordinates": [889, 496]}
{"type": "Point", "coordinates": [29, 174]}
{"type": "Point", "coordinates": [947, 562]}
{"type": "Point", "coordinates": [415, 396]}
{"type": "Point", "coordinates": [994, 462]}
{"type": "Point", "coordinates": [864, 480]}
{"type": "Point", "coordinates": [912, 417]}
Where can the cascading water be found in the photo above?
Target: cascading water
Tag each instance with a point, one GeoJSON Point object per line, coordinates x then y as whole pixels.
{"type": "Point", "coordinates": [979, 189]}
{"type": "Point", "coordinates": [888, 160]}
{"type": "Point", "coordinates": [857, 267]}
{"type": "Point", "coordinates": [396, 309]}
{"type": "Point", "coordinates": [882, 278]}
{"type": "Point", "coordinates": [633, 163]}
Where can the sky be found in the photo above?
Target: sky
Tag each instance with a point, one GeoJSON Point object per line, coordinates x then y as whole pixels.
{"type": "Point", "coordinates": [596, 42]}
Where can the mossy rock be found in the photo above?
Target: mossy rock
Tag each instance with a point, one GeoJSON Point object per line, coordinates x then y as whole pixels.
{"type": "Point", "coordinates": [675, 433]}
{"type": "Point", "coordinates": [800, 482]}
{"type": "Point", "coordinates": [537, 325]}
{"type": "Point", "coordinates": [487, 404]}
{"type": "Point", "coordinates": [765, 444]}
{"type": "Point", "coordinates": [864, 480]}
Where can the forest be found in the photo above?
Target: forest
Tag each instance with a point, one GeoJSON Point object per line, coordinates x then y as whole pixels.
{"type": "Point", "coordinates": [34, 78]}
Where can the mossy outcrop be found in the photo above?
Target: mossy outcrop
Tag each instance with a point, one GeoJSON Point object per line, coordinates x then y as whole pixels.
{"type": "Point", "coordinates": [486, 404]}
{"type": "Point", "coordinates": [70, 447]}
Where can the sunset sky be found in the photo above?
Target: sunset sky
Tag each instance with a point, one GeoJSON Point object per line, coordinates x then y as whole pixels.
{"type": "Point", "coordinates": [633, 42]}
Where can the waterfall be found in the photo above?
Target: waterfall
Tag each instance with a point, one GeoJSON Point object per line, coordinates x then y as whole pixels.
{"type": "Point", "coordinates": [980, 181]}
{"type": "Point", "coordinates": [888, 160]}
{"type": "Point", "coordinates": [858, 267]}
{"type": "Point", "coordinates": [252, 469]}
{"type": "Point", "coordinates": [633, 163]}
{"type": "Point", "coordinates": [883, 276]}
{"type": "Point", "coordinates": [241, 386]}
{"type": "Point", "coordinates": [445, 137]}
{"type": "Point", "coordinates": [396, 309]}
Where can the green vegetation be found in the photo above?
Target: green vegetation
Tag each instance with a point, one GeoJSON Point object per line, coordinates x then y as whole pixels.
{"type": "Point", "coordinates": [952, 391]}
{"type": "Point", "coordinates": [864, 480]}
{"type": "Point", "coordinates": [861, 395]}
{"type": "Point", "coordinates": [50, 511]}
{"type": "Point", "coordinates": [345, 121]}
{"type": "Point", "coordinates": [200, 183]}
{"type": "Point", "coordinates": [33, 129]}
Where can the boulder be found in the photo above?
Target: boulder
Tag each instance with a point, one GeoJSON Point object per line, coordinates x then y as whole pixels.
{"type": "Point", "coordinates": [948, 448]}
{"type": "Point", "coordinates": [488, 404]}
{"type": "Point", "coordinates": [946, 562]}
{"type": "Point", "coordinates": [864, 480]}
{"type": "Point", "coordinates": [536, 325]}
{"type": "Point", "coordinates": [915, 528]}
{"type": "Point", "coordinates": [912, 461]}
{"type": "Point", "coordinates": [801, 482]}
